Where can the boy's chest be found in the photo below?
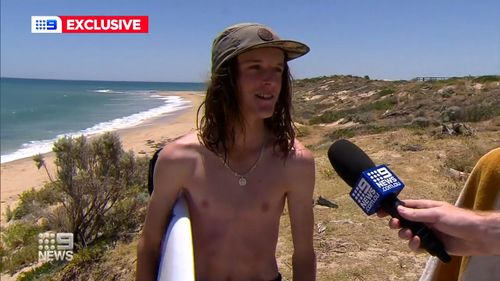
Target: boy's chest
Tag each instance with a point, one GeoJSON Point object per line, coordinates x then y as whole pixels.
{"type": "Point", "coordinates": [216, 189]}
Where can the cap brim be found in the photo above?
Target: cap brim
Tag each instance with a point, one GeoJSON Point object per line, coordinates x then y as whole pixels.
{"type": "Point", "coordinates": [292, 49]}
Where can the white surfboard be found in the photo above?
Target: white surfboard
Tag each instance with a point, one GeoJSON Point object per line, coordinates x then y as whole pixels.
{"type": "Point", "coordinates": [176, 256]}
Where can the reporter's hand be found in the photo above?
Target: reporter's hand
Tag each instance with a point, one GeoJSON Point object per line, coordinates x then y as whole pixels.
{"type": "Point", "coordinates": [457, 228]}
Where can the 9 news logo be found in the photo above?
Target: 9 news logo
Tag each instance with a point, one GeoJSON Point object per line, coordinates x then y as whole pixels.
{"type": "Point", "coordinates": [46, 24]}
{"type": "Point", "coordinates": [55, 246]}
{"type": "Point", "coordinates": [89, 24]}
{"type": "Point", "coordinates": [384, 178]}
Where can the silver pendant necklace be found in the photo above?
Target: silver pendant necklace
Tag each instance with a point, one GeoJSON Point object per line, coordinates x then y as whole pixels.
{"type": "Point", "coordinates": [242, 180]}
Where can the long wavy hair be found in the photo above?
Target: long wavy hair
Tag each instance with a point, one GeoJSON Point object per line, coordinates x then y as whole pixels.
{"type": "Point", "coordinates": [216, 128]}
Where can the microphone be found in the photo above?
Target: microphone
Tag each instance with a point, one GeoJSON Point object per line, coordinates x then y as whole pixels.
{"type": "Point", "coordinates": [377, 187]}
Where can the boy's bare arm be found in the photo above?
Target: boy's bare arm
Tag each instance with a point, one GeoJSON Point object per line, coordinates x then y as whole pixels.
{"type": "Point", "coordinates": [299, 198]}
{"type": "Point", "coordinates": [170, 170]}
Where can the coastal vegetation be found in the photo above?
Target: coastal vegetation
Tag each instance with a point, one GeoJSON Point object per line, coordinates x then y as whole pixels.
{"type": "Point", "coordinates": [98, 194]}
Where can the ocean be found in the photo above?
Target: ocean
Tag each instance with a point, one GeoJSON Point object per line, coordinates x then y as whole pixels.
{"type": "Point", "coordinates": [36, 112]}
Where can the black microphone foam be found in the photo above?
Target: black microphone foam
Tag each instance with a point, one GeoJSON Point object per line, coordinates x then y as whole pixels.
{"type": "Point", "coordinates": [348, 160]}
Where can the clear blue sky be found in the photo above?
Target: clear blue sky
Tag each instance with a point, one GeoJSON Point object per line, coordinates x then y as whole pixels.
{"type": "Point", "coordinates": [390, 39]}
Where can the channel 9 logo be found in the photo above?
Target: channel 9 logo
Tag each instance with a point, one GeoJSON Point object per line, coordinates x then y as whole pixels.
{"type": "Point", "coordinates": [55, 246]}
{"type": "Point", "coordinates": [364, 195]}
{"type": "Point", "coordinates": [46, 24]}
{"type": "Point", "coordinates": [89, 24]}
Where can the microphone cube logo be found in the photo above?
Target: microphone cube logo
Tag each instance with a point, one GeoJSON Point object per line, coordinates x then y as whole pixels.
{"type": "Point", "coordinates": [55, 246]}
{"type": "Point", "coordinates": [46, 24]}
{"type": "Point", "coordinates": [374, 186]}
{"type": "Point", "coordinates": [365, 196]}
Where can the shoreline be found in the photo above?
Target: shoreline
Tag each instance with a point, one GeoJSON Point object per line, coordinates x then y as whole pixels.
{"type": "Point", "coordinates": [21, 175]}
{"type": "Point", "coordinates": [39, 139]}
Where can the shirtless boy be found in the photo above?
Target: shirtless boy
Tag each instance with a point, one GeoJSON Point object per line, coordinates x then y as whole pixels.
{"type": "Point", "coordinates": [240, 168]}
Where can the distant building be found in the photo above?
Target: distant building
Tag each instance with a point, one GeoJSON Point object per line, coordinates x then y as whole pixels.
{"type": "Point", "coordinates": [430, 78]}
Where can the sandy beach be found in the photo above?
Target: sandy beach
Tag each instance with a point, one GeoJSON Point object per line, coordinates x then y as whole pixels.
{"type": "Point", "coordinates": [21, 175]}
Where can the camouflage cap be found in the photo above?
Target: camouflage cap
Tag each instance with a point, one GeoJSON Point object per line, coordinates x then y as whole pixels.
{"type": "Point", "coordinates": [242, 37]}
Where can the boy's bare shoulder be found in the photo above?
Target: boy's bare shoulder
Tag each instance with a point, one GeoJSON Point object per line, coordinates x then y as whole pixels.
{"type": "Point", "coordinates": [300, 155]}
{"type": "Point", "coordinates": [300, 162]}
{"type": "Point", "coordinates": [183, 150]}
{"type": "Point", "coordinates": [300, 168]}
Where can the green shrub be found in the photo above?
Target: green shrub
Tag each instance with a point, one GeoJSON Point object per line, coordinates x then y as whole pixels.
{"type": "Point", "coordinates": [376, 129]}
{"type": "Point", "coordinates": [19, 245]}
{"type": "Point", "coordinates": [97, 194]}
{"type": "Point", "coordinates": [88, 255]}
{"type": "Point", "coordinates": [343, 133]}
{"type": "Point", "coordinates": [96, 179]}
{"type": "Point", "coordinates": [42, 272]}
{"type": "Point", "coordinates": [303, 131]}
{"type": "Point", "coordinates": [415, 129]}
{"type": "Point", "coordinates": [313, 79]}
{"type": "Point", "coordinates": [383, 104]}
{"type": "Point", "coordinates": [121, 220]}
{"type": "Point", "coordinates": [58, 219]}
{"type": "Point", "coordinates": [19, 233]}
{"type": "Point", "coordinates": [328, 117]}
{"type": "Point", "coordinates": [362, 117]}
{"type": "Point", "coordinates": [476, 113]}
{"type": "Point", "coordinates": [385, 92]}
{"type": "Point", "coordinates": [8, 213]}
{"type": "Point", "coordinates": [487, 78]}
{"type": "Point", "coordinates": [33, 200]}
{"type": "Point", "coordinates": [84, 258]}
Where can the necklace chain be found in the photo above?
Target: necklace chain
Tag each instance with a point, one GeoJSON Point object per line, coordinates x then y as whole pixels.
{"type": "Point", "coordinates": [242, 181]}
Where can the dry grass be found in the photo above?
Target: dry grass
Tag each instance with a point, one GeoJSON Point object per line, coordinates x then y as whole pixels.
{"type": "Point", "coordinates": [352, 246]}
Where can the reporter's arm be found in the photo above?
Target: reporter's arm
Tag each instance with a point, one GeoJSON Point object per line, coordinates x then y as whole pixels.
{"type": "Point", "coordinates": [490, 231]}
